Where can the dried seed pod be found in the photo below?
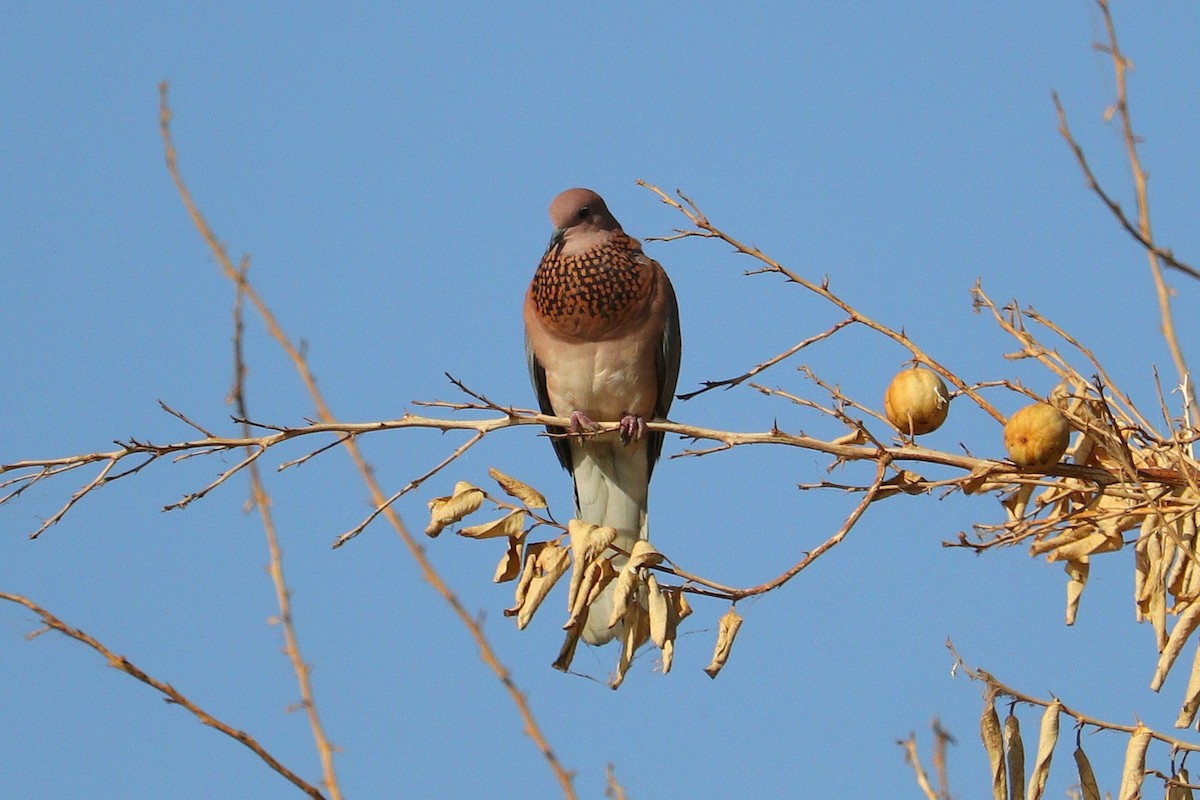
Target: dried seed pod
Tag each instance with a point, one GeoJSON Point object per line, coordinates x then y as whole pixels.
{"type": "Point", "coordinates": [1077, 572]}
{"type": "Point", "coordinates": [1185, 626]}
{"type": "Point", "coordinates": [1014, 752]}
{"type": "Point", "coordinates": [993, 743]}
{"type": "Point", "coordinates": [1134, 771]}
{"type": "Point", "coordinates": [1191, 698]}
{"type": "Point", "coordinates": [916, 402]}
{"type": "Point", "coordinates": [1037, 436]}
{"type": "Point", "coordinates": [1088, 788]}
{"type": "Point", "coordinates": [1047, 739]}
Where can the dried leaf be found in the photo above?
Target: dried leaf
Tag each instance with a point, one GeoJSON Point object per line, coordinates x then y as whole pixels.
{"type": "Point", "coordinates": [545, 563]}
{"type": "Point", "coordinates": [512, 487]}
{"type": "Point", "coordinates": [444, 511]}
{"type": "Point", "coordinates": [595, 579]}
{"type": "Point", "coordinates": [1047, 739]}
{"type": "Point", "coordinates": [566, 653]}
{"type": "Point", "coordinates": [588, 541]}
{"type": "Point", "coordinates": [1077, 572]}
{"type": "Point", "coordinates": [1184, 627]}
{"type": "Point", "coordinates": [510, 563]}
{"type": "Point", "coordinates": [511, 525]}
{"type": "Point", "coordinates": [727, 629]}
{"type": "Point", "coordinates": [636, 632]}
{"type": "Point", "coordinates": [1180, 792]}
{"type": "Point", "coordinates": [1191, 698]}
{"type": "Point", "coordinates": [677, 609]}
{"type": "Point", "coordinates": [856, 436]}
{"type": "Point", "coordinates": [1134, 771]}
{"type": "Point", "coordinates": [1014, 750]}
{"type": "Point", "coordinates": [643, 555]}
{"type": "Point", "coordinates": [1016, 501]}
{"type": "Point", "coordinates": [977, 478]}
{"type": "Point", "coordinates": [1065, 537]}
{"type": "Point", "coordinates": [1088, 788]}
{"type": "Point", "coordinates": [1098, 542]}
{"type": "Point", "coordinates": [905, 481]}
{"type": "Point", "coordinates": [993, 743]}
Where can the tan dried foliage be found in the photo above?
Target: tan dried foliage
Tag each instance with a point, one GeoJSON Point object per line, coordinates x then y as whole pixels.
{"type": "Point", "coordinates": [445, 511]}
{"type": "Point", "coordinates": [1047, 739]}
{"type": "Point", "coordinates": [1088, 788]}
{"type": "Point", "coordinates": [522, 491]}
{"type": "Point", "coordinates": [1014, 754]}
{"type": "Point", "coordinates": [727, 630]}
{"type": "Point", "coordinates": [1133, 774]}
{"type": "Point", "coordinates": [993, 743]}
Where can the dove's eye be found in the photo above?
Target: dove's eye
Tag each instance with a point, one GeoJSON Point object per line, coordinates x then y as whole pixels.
{"type": "Point", "coordinates": [584, 212]}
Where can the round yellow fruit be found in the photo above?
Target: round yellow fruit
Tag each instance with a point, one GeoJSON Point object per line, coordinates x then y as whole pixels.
{"type": "Point", "coordinates": [1037, 436]}
{"type": "Point", "coordinates": [916, 402]}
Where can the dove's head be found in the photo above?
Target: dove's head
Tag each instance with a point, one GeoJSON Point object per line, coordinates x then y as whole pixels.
{"type": "Point", "coordinates": [580, 219]}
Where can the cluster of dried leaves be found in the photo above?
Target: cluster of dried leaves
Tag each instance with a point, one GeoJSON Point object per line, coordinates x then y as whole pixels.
{"type": "Point", "coordinates": [646, 610]}
{"type": "Point", "coordinates": [1006, 753]}
{"type": "Point", "coordinates": [1139, 488]}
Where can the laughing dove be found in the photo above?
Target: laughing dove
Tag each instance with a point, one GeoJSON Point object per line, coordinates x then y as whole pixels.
{"type": "Point", "coordinates": [602, 339]}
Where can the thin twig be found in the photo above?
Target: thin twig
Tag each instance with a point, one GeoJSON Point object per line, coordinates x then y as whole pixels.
{"type": "Point", "coordinates": [707, 229]}
{"type": "Point", "coordinates": [486, 652]}
{"type": "Point", "coordinates": [173, 695]}
{"type": "Point", "coordinates": [993, 684]}
{"type": "Point", "coordinates": [262, 503]}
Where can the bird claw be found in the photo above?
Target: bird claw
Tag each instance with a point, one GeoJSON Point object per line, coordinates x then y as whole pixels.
{"type": "Point", "coordinates": [581, 423]}
{"type": "Point", "coordinates": [632, 428]}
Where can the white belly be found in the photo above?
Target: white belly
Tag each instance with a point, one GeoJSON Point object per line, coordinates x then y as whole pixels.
{"type": "Point", "coordinates": [602, 380]}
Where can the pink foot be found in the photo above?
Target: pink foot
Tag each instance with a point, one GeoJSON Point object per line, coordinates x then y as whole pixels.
{"type": "Point", "coordinates": [581, 422]}
{"type": "Point", "coordinates": [633, 428]}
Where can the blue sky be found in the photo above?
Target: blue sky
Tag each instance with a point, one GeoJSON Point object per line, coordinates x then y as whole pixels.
{"type": "Point", "coordinates": [388, 167]}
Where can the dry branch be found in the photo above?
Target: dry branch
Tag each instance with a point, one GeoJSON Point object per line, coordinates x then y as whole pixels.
{"type": "Point", "coordinates": [172, 694]}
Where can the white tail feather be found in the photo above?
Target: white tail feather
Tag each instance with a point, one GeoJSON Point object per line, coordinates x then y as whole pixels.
{"type": "Point", "coordinates": [611, 486]}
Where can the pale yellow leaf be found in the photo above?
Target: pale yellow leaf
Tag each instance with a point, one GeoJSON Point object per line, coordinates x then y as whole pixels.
{"type": "Point", "coordinates": [727, 629]}
{"type": "Point", "coordinates": [637, 631]}
{"type": "Point", "coordinates": [1015, 502]}
{"type": "Point", "coordinates": [512, 487]}
{"type": "Point", "coordinates": [1088, 788]}
{"type": "Point", "coordinates": [1191, 698]}
{"type": "Point", "coordinates": [595, 578]}
{"type": "Point", "coordinates": [904, 481]}
{"type": "Point", "coordinates": [1097, 542]}
{"type": "Point", "coordinates": [1064, 537]}
{"type": "Point", "coordinates": [1180, 789]}
{"type": "Point", "coordinates": [656, 606]}
{"type": "Point", "coordinates": [628, 582]}
{"type": "Point", "coordinates": [856, 436]}
{"type": "Point", "coordinates": [1047, 739]}
{"type": "Point", "coordinates": [977, 478]}
{"type": "Point", "coordinates": [1014, 751]}
{"type": "Point", "coordinates": [1184, 627]}
{"type": "Point", "coordinates": [444, 511]}
{"type": "Point", "coordinates": [510, 563]}
{"type": "Point", "coordinates": [1077, 576]}
{"type": "Point", "coordinates": [993, 743]}
{"type": "Point", "coordinates": [511, 525]}
{"type": "Point", "coordinates": [567, 652]}
{"type": "Point", "coordinates": [545, 563]}
{"type": "Point", "coordinates": [1134, 771]}
{"type": "Point", "coordinates": [588, 541]}
{"type": "Point", "coordinates": [677, 609]}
